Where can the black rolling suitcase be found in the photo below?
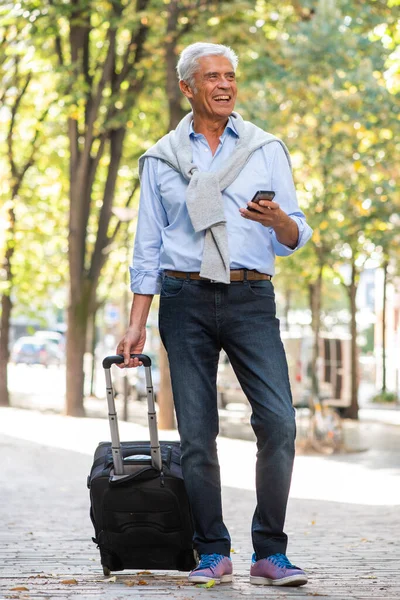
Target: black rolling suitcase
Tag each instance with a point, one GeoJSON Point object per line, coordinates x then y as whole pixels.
{"type": "Point", "coordinates": [139, 506]}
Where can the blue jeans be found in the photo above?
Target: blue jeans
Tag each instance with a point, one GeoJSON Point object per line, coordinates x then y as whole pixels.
{"type": "Point", "coordinates": [197, 319]}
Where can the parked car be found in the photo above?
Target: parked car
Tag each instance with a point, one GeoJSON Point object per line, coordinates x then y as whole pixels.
{"type": "Point", "coordinates": [51, 336]}
{"type": "Point", "coordinates": [31, 350]}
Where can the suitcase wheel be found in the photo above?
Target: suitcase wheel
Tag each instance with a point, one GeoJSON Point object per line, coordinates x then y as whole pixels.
{"type": "Point", "coordinates": [106, 571]}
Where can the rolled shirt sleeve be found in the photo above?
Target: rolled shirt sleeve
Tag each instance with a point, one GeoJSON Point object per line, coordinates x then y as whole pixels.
{"type": "Point", "coordinates": [285, 196]}
{"type": "Point", "coordinates": [145, 272]}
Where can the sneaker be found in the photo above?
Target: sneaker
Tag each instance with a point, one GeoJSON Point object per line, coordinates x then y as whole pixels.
{"type": "Point", "coordinates": [212, 566]}
{"type": "Point", "coordinates": [276, 570]}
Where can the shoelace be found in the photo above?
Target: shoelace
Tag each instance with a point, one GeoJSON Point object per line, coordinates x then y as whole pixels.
{"type": "Point", "coordinates": [208, 561]}
{"type": "Point", "coordinates": [280, 560]}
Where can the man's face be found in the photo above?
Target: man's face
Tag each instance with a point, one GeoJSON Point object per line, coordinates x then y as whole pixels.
{"type": "Point", "coordinates": [214, 92]}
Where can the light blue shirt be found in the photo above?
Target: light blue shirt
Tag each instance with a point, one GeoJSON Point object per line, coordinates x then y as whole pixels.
{"type": "Point", "coordinates": [165, 238]}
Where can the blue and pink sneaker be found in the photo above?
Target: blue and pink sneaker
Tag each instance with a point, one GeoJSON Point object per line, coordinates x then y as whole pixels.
{"type": "Point", "coordinates": [212, 566]}
{"type": "Point", "coordinates": [276, 570]}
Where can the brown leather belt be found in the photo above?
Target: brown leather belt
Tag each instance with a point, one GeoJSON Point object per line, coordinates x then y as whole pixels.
{"type": "Point", "coordinates": [236, 275]}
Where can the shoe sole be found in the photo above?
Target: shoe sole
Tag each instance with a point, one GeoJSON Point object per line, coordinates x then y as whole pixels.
{"type": "Point", "coordinates": [292, 580]}
{"type": "Point", "coordinates": [200, 579]}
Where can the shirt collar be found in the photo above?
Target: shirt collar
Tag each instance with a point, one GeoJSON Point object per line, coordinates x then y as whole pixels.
{"type": "Point", "coordinates": [230, 128]}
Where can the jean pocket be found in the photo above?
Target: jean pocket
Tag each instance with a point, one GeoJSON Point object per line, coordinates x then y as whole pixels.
{"type": "Point", "coordinates": [262, 288]}
{"type": "Point", "coordinates": [171, 286]}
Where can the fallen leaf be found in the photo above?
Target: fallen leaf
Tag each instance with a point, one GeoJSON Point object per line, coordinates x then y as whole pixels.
{"type": "Point", "coordinates": [142, 582]}
{"type": "Point", "coordinates": [69, 582]}
{"type": "Point", "coordinates": [209, 584]}
{"type": "Point", "coordinates": [144, 573]}
{"type": "Point", "coordinates": [128, 582]}
{"type": "Point", "coordinates": [233, 551]}
{"type": "Point", "coordinates": [111, 579]}
{"type": "Point", "coordinates": [19, 588]}
{"type": "Point", "coordinates": [313, 522]}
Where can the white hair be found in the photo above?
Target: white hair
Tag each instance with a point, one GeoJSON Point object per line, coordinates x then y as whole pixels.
{"type": "Point", "coordinates": [188, 61]}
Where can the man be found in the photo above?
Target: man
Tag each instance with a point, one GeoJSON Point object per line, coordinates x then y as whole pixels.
{"type": "Point", "coordinates": [211, 259]}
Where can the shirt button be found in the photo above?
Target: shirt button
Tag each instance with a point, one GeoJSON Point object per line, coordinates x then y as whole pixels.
{"type": "Point", "coordinates": [205, 149]}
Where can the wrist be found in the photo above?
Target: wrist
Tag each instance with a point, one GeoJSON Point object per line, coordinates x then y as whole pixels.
{"type": "Point", "coordinates": [140, 311]}
{"type": "Point", "coordinates": [136, 329]}
{"type": "Point", "coordinates": [282, 221]}
{"type": "Point", "coordinates": [287, 232]}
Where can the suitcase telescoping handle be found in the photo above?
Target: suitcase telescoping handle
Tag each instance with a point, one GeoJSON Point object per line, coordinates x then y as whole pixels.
{"type": "Point", "coordinates": [112, 414]}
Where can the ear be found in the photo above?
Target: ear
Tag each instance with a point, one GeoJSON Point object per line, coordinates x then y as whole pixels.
{"type": "Point", "coordinates": [186, 89]}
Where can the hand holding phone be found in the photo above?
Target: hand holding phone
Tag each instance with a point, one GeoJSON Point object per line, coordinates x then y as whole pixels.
{"type": "Point", "coordinates": [261, 195]}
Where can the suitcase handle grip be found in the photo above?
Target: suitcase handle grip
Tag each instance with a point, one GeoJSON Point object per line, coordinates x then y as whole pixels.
{"type": "Point", "coordinates": [112, 414]}
{"type": "Point", "coordinates": [118, 359]}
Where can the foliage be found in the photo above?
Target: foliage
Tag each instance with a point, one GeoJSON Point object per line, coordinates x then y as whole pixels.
{"type": "Point", "coordinates": [324, 76]}
{"type": "Point", "coordinates": [314, 74]}
{"type": "Point", "coordinates": [32, 187]}
{"type": "Point", "coordinates": [385, 397]}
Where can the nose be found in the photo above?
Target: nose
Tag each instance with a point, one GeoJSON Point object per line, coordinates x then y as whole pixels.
{"type": "Point", "coordinates": [224, 83]}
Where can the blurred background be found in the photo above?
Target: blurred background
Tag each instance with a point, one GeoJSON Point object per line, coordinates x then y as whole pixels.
{"type": "Point", "coordinates": [85, 89]}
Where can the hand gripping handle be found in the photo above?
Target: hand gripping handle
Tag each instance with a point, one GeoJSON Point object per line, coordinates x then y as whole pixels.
{"type": "Point", "coordinates": [112, 415]}
{"type": "Point", "coordinates": [118, 359]}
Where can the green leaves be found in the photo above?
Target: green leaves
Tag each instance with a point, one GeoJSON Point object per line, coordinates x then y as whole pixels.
{"type": "Point", "coordinates": [321, 75]}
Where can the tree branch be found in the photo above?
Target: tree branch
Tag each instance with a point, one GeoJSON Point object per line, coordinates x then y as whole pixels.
{"type": "Point", "coordinates": [304, 14]}
{"type": "Point", "coordinates": [31, 158]}
{"type": "Point", "coordinates": [95, 103]}
{"type": "Point", "coordinates": [58, 44]}
{"type": "Point", "coordinates": [116, 144]}
{"type": "Point", "coordinates": [14, 110]}
{"type": "Point", "coordinates": [137, 43]}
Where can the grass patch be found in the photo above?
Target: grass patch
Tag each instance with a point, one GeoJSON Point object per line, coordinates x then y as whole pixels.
{"type": "Point", "coordinates": [385, 397]}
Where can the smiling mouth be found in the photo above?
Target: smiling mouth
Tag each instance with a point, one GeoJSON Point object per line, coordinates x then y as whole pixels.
{"type": "Point", "coordinates": [222, 99]}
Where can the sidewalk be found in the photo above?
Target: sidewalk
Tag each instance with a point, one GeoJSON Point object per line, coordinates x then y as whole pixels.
{"type": "Point", "coordinates": [343, 517]}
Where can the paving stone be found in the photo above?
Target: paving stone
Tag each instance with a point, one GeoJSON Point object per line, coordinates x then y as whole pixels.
{"type": "Point", "coordinates": [351, 550]}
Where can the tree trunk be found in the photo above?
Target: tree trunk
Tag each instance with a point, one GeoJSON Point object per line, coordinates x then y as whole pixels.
{"type": "Point", "coordinates": [83, 281]}
{"type": "Point", "coordinates": [174, 94]}
{"type": "Point", "coordinates": [165, 401]}
{"type": "Point", "coordinates": [93, 343]}
{"type": "Point", "coordinates": [166, 417]}
{"type": "Point", "coordinates": [76, 346]}
{"type": "Point", "coordinates": [6, 307]}
{"type": "Point", "coordinates": [352, 411]}
{"type": "Point", "coordinates": [385, 272]}
{"type": "Point", "coordinates": [85, 263]}
{"type": "Point", "coordinates": [315, 305]}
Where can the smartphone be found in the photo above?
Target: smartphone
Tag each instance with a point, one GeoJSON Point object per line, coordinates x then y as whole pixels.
{"type": "Point", "coordinates": [261, 195]}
